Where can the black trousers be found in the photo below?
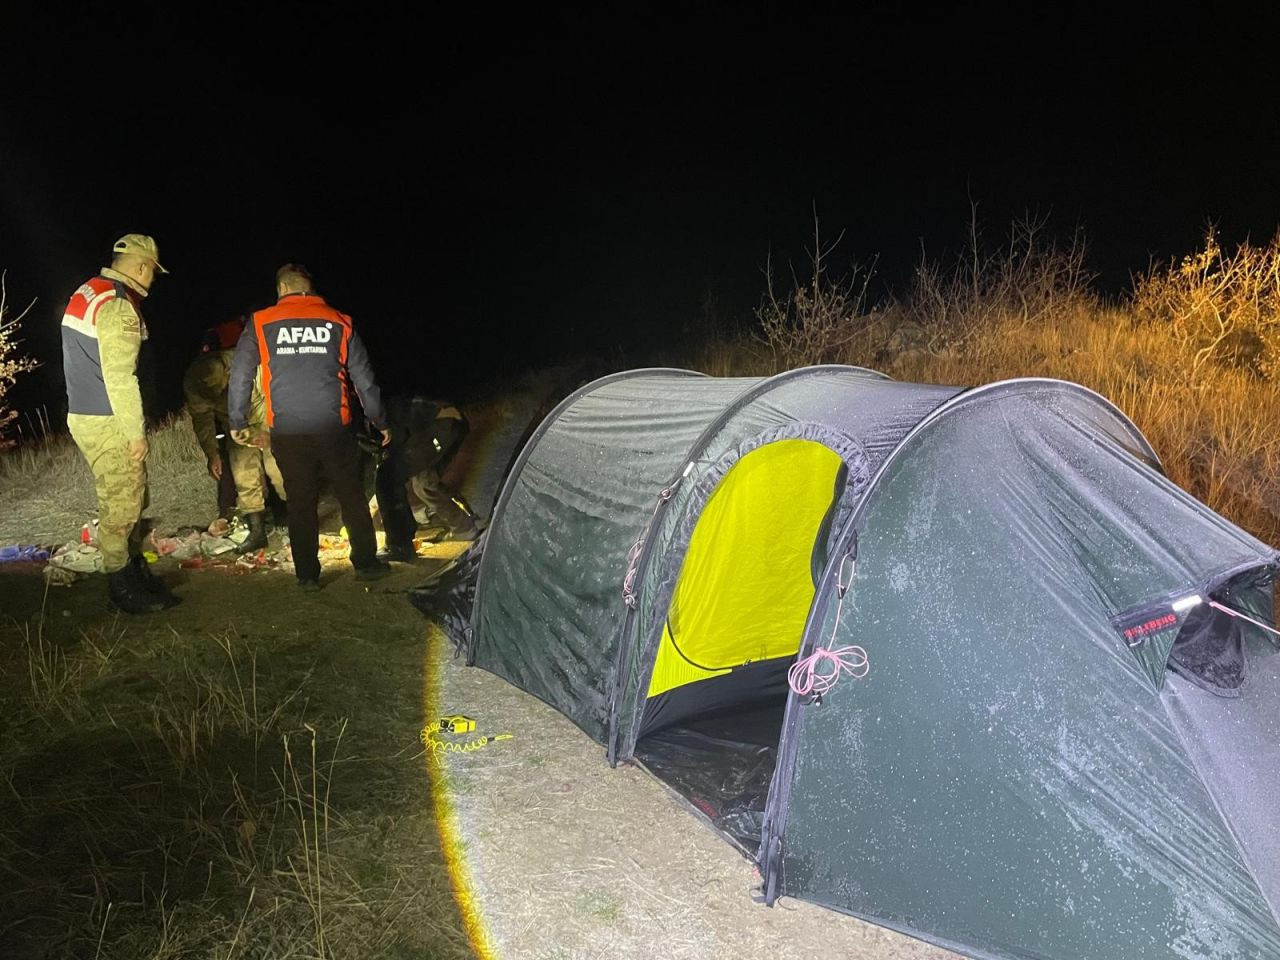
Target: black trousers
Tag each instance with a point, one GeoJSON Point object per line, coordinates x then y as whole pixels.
{"type": "Point", "coordinates": [306, 459]}
{"type": "Point", "coordinates": [389, 484]}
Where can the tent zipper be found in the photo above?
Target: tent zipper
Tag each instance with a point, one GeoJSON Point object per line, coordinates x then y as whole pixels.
{"type": "Point", "coordinates": [777, 806]}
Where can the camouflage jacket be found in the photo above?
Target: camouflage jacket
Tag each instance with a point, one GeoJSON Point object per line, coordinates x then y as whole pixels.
{"type": "Point", "coordinates": [205, 387]}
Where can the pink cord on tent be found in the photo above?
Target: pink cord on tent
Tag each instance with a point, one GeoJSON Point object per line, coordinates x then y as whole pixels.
{"type": "Point", "coordinates": [809, 676]}
{"type": "Point", "coordinates": [1236, 613]}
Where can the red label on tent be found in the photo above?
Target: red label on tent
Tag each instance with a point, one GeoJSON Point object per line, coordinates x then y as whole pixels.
{"type": "Point", "coordinates": [1135, 626]}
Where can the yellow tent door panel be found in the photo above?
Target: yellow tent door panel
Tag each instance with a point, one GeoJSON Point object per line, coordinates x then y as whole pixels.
{"type": "Point", "coordinates": [747, 583]}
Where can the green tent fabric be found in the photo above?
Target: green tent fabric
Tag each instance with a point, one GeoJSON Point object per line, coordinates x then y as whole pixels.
{"type": "Point", "coordinates": [1061, 747]}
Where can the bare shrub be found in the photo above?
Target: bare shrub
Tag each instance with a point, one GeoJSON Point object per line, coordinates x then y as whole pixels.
{"type": "Point", "coordinates": [1182, 356]}
{"type": "Point", "coordinates": [1031, 280]}
{"type": "Point", "coordinates": [817, 320]}
{"type": "Point", "coordinates": [12, 362]}
{"type": "Point", "coordinates": [1217, 306]}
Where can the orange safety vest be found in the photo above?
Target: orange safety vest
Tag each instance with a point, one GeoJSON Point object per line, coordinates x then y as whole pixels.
{"type": "Point", "coordinates": [311, 359]}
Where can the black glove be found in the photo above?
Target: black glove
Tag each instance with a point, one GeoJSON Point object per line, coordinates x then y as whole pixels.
{"type": "Point", "coordinates": [370, 441]}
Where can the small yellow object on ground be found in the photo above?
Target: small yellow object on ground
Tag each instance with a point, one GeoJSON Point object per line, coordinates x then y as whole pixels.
{"type": "Point", "coordinates": [456, 724]}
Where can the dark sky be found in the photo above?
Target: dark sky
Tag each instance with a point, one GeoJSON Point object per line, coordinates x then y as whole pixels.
{"type": "Point", "coordinates": [483, 194]}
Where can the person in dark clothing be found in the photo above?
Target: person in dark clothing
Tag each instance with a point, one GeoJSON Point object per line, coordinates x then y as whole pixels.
{"type": "Point", "coordinates": [309, 353]}
{"type": "Point", "coordinates": [425, 434]}
{"type": "Point", "coordinates": [223, 336]}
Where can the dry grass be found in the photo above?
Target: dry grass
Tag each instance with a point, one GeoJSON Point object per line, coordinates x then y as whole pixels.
{"type": "Point", "coordinates": [166, 797]}
{"type": "Point", "coordinates": [51, 481]}
{"type": "Point", "coordinates": [1190, 355]}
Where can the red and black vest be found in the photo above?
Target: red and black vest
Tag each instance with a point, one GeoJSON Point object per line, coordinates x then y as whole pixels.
{"type": "Point", "coordinates": [81, 361]}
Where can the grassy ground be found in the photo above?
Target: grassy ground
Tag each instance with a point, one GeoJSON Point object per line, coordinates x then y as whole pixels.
{"type": "Point", "coordinates": [239, 777]}
{"type": "Point", "coordinates": [49, 491]}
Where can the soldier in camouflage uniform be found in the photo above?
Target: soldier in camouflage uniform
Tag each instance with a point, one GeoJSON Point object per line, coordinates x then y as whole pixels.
{"type": "Point", "coordinates": [205, 388]}
{"type": "Point", "coordinates": [102, 332]}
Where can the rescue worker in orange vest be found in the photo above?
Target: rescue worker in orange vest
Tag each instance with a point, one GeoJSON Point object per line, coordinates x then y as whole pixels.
{"type": "Point", "coordinates": [308, 353]}
{"type": "Point", "coordinates": [102, 332]}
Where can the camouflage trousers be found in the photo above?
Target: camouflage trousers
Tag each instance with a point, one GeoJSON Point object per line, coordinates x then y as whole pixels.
{"type": "Point", "coordinates": [250, 467]}
{"type": "Point", "coordinates": [120, 483]}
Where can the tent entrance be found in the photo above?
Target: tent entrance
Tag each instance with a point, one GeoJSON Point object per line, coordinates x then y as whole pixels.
{"type": "Point", "coordinates": [713, 713]}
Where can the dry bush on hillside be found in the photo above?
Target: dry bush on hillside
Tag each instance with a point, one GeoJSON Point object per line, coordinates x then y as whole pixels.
{"type": "Point", "coordinates": [1218, 306]}
{"type": "Point", "coordinates": [1029, 309]}
{"type": "Point", "coordinates": [1031, 281]}
{"type": "Point", "coordinates": [12, 362]}
{"type": "Point", "coordinates": [817, 320]}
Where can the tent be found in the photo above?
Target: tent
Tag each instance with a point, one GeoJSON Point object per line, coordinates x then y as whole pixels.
{"type": "Point", "coordinates": [1065, 739]}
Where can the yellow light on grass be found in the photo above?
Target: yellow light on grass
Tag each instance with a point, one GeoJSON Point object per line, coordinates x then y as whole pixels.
{"type": "Point", "coordinates": [446, 816]}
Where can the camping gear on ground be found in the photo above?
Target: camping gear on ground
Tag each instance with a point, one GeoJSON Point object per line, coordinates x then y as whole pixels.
{"type": "Point", "coordinates": [72, 559]}
{"type": "Point", "coordinates": [181, 545]}
{"type": "Point", "coordinates": [438, 746]}
{"type": "Point", "coordinates": [214, 546]}
{"type": "Point", "coordinates": [24, 553]}
{"type": "Point", "coordinates": [1027, 755]}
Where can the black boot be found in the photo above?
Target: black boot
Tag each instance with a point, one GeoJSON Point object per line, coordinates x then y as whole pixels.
{"type": "Point", "coordinates": [399, 552]}
{"type": "Point", "coordinates": [373, 571]}
{"type": "Point", "coordinates": [257, 538]}
{"type": "Point", "coordinates": [150, 583]}
{"type": "Point", "coordinates": [127, 593]}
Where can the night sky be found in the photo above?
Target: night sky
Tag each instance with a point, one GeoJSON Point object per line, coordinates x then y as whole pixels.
{"type": "Point", "coordinates": [485, 194]}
